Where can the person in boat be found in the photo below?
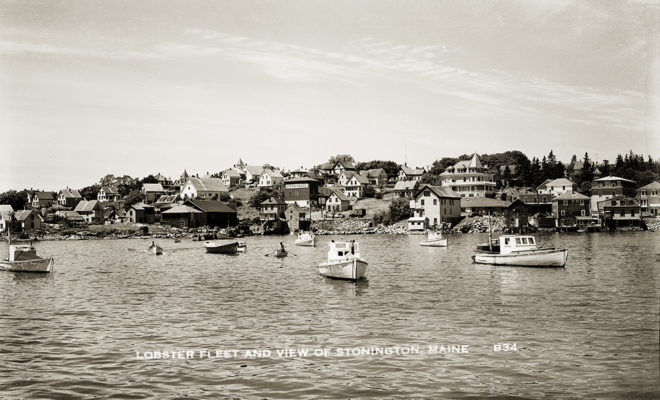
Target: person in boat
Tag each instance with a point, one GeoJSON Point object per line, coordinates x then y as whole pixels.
{"type": "Point", "coordinates": [352, 246]}
{"type": "Point", "coordinates": [282, 246]}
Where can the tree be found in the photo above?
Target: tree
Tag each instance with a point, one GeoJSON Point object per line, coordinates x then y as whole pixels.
{"type": "Point", "coordinates": [262, 195]}
{"type": "Point", "coordinates": [149, 179]}
{"type": "Point", "coordinates": [390, 167]}
{"type": "Point", "coordinates": [90, 192]}
{"type": "Point", "coordinates": [399, 209]}
{"type": "Point", "coordinates": [134, 197]}
{"type": "Point", "coordinates": [17, 200]}
{"type": "Point", "coordinates": [341, 157]}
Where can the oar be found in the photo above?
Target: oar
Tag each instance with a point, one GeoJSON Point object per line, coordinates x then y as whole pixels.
{"type": "Point", "coordinates": [266, 255]}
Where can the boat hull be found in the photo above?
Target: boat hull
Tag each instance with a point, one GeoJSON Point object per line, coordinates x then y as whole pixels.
{"type": "Point", "coordinates": [281, 253]}
{"type": "Point", "coordinates": [306, 240]}
{"type": "Point", "coordinates": [227, 248]}
{"type": "Point", "coordinates": [533, 258]}
{"type": "Point", "coordinates": [43, 265]}
{"type": "Point", "coordinates": [350, 269]}
{"type": "Point", "coordinates": [156, 250]}
{"type": "Point", "coordinates": [434, 243]}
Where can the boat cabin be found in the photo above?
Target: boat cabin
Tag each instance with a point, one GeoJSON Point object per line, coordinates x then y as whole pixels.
{"type": "Point", "coordinates": [22, 252]}
{"type": "Point", "coordinates": [513, 243]}
{"type": "Point", "coordinates": [343, 250]}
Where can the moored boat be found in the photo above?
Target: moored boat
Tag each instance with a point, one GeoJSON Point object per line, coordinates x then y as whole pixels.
{"type": "Point", "coordinates": [24, 258]}
{"type": "Point", "coordinates": [434, 239]}
{"type": "Point", "coordinates": [517, 250]}
{"type": "Point", "coordinates": [306, 239]}
{"type": "Point", "coordinates": [344, 262]}
{"type": "Point", "coordinates": [242, 246]}
{"type": "Point", "coordinates": [227, 247]}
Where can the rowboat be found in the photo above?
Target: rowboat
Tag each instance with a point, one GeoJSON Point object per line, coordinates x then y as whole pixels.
{"type": "Point", "coordinates": [519, 250]}
{"type": "Point", "coordinates": [281, 253]}
{"type": "Point", "coordinates": [24, 258]}
{"type": "Point", "coordinates": [155, 249]}
{"type": "Point", "coordinates": [227, 247]}
{"type": "Point", "coordinates": [434, 239]}
{"type": "Point", "coordinates": [344, 262]}
{"type": "Point", "coordinates": [306, 239]}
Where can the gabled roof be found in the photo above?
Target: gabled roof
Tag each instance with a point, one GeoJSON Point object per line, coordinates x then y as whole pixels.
{"type": "Point", "coordinates": [141, 206]}
{"type": "Point", "coordinates": [273, 173]}
{"type": "Point", "coordinates": [109, 190]}
{"type": "Point", "coordinates": [345, 164]}
{"type": "Point", "coordinates": [340, 195]}
{"type": "Point", "coordinates": [556, 182]}
{"type": "Point", "coordinates": [182, 209]}
{"type": "Point", "coordinates": [161, 178]}
{"type": "Point", "coordinates": [211, 206]}
{"type": "Point", "coordinates": [6, 208]}
{"type": "Point", "coordinates": [232, 173]}
{"type": "Point", "coordinates": [22, 215]}
{"type": "Point", "coordinates": [438, 190]}
{"type": "Point", "coordinates": [571, 196]}
{"type": "Point", "coordinates": [327, 166]}
{"type": "Point", "coordinates": [361, 179]}
{"type": "Point", "coordinates": [483, 202]}
{"type": "Point", "coordinates": [412, 171]}
{"type": "Point", "coordinates": [612, 178]}
{"type": "Point", "coordinates": [475, 162]}
{"type": "Point", "coordinates": [254, 170]}
{"type": "Point", "coordinates": [621, 197]}
{"type": "Point", "coordinates": [652, 185]}
{"type": "Point", "coordinates": [70, 193]}
{"type": "Point", "coordinates": [152, 187]}
{"type": "Point", "coordinates": [402, 186]}
{"type": "Point", "coordinates": [295, 207]}
{"type": "Point", "coordinates": [86, 206]}
{"type": "Point", "coordinates": [273, 200]}
{"type": "Point", "coordinates": [301, 180]}
{"type": "Point", "coordinates": [373, 173]}
{"type": "Point", "coordinates": [208, 184]}
{"type": "Point", "coordinates": [46, 195]}
{"type": "Point", "coordinates": [71, 215]}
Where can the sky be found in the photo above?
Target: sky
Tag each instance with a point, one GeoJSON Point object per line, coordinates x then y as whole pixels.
{"type": "Point", "coordinates": [89, 88]}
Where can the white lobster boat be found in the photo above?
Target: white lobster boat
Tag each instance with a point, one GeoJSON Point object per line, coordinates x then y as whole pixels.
{"type": "Point", "coordinates": [434, 239]}
{"type": "Point", "coordinates": [344, 262]}
{"type": "Point", "coordinates": [522, 251]}
{"type": "Point", "coordinates": [226, 247]}
{"type": "Point", "coordinates": [306, 239]}
{"type": "Point", "coordinates": [24, 258]}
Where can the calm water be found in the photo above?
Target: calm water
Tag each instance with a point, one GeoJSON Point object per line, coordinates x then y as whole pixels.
{"type": "Point", "coordinates": [587, 331]}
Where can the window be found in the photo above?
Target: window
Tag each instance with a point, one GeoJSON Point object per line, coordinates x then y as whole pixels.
{"type": "Point", "coordinates": [632, 213]}
{"type": "Point", "coordinates": [421, 202]}
{"type": "Point", "coordinates": [427, 193]}
{"type": "Point", "coordinates": [563, 212]}
{"type": "Point", "coordinates": [623, 213]}
{"type": "Point", "coordinates": [518, 241]}
{"type": "Point", "coordinates": [583, 213]}
{"type": "Point", "coordinates": [506, 241]}
{"type": "Point", "coordinates": [524, 240]}
{"type": "Point", "coordinates": [435, 202]}
{"type": "Point", "coordinates": [435, 221]}
{"type": "Point", "coordinates": [531, 240]}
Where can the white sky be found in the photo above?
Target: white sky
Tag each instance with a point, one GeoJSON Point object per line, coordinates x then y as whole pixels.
{"type": "Point", "coordinates": [137, 87]}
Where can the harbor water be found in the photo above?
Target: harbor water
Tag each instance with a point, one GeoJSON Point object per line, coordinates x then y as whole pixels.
{"type": "Point", "coordinates": [102, 323]}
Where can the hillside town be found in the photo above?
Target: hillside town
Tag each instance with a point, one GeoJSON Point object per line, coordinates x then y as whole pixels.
{"type": "Point", "coordinates": [463, 194]}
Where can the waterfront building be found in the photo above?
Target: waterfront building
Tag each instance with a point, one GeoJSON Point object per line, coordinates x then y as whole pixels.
{"type": "Point", "coordinates": [71, 217]}
{"type": "Point", "coordinates": [107, 193]}
{"type": "Point", "coordinates": [620, 211]}
{"type": "Point", "coordinates": [556, 187]}
{"type": "Point", "coordinates": [468, 178]}
{"type": "Point", "coordinates": [337, 202]}
{"type": "Point", "coordinates": [435, 205]}
{"type": "Point", "coordinates": [608, 187]}
{"type": "Point", "coordinates": [272, 209]}
{"type": "Point", "coordinates": [571, 209]}
{"type": "Point", "coordinates": [152, 192]}
{"type": "Point", "coordinates": [27, 221]}
{"type": "Point", "coordinates": [90, 210]}
{"type": "Point", "coordinates": [217, 213]}
{"type": "Point", "coordinates": [270, 178]}
{"type": "Point", "coordinates": [483, 206]}
{"type": "Point", "coordinates": [301, 190]}
{"type": "Point", "coordinates": [649, 199]}
{"type": "Point", "coordinates": [6, 210]}
{"type": "Point", "coordinates": [182, 216]}
{"type": "Point", "coordinates": [141, 213]}
{"type": "Point", "coordinates": [203, 188]}
{"type": "Point", "coordinates": [43, 199]}
{"type": "Point", "coordinates": [69, 197]}
{"type": "Point", "coordinates": [410, 174]}
{"type": "Point", "coordinates": [405, 189]}
{"type": "Point", "coordinates": [112, 215]}
{"type": "Point", "coordinates": [516, 216]}
{"type": "Point", "coordinates": [297, 217]}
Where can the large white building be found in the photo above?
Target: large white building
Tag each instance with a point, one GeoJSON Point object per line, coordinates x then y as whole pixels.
{"type": "Point", "coordinates": [433, 206]}
{"type": "Point", "coordinates": [469, 178]}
